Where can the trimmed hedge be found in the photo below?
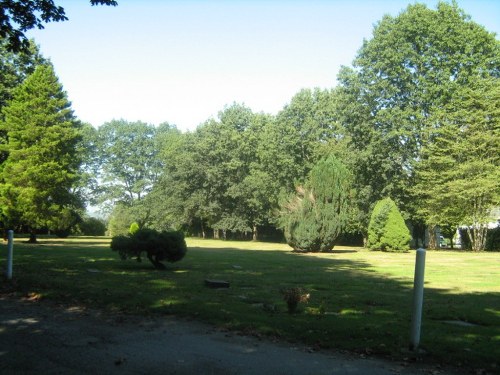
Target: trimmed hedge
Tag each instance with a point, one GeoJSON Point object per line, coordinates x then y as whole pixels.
{"type": "Point", "coordinates": [159, 246]}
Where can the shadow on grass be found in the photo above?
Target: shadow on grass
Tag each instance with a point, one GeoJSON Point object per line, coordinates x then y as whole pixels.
{"type": "Point", "coordinates": [351, 305]}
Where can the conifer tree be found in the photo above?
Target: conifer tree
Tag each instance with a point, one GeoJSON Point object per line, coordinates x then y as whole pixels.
{"type": "Point", "coordinates": [387, 230]}
{"type": "Point", "coordinates": [41, 172]}
{"type": "Point", "coordinates": [314, 218]}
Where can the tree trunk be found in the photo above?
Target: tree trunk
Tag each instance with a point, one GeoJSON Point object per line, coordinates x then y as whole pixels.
{"type": "Point", "coordinates": [477, 237]}
{"type": "Point", "coordinates": [156, 263]}
{"type": "Point", "coordinates": [216, 234]}
{"type": "Point", "coordinates": [433, 243]}
{"type": "Point", "coordinates": [203, 235]}
{"type": "Point", "coordinates": [32, 236]}
{"type": "Point", "coordinates": [419, 234]}
{"type": "Point", "coordinates": [255, 233]}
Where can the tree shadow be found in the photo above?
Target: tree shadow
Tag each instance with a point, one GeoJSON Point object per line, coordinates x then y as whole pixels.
{"type": "Point", "coordinates": [351, 306]}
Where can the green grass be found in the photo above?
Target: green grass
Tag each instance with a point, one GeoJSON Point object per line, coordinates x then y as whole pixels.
{"type": "Point", "coordinates": [359, 300]}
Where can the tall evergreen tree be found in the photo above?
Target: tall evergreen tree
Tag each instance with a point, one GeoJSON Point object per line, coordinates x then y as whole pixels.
{"type": "Point", "coordinates": [42, 167]}
{"type": "Point", "coordinates": [14, 68]}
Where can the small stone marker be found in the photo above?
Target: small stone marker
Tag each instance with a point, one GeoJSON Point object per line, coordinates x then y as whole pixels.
{"type": "Point", "coordinates": [216, 283]}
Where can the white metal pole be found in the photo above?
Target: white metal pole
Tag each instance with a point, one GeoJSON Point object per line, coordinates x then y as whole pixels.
{"type": "Point", "coordinates": [418, 297]}
{"type": "Point", "coordinates": [10, 253]}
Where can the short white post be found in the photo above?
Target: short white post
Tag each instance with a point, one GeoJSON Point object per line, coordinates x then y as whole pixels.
{"type": "Point", "coordinates": [418, 297]}
{"type": "Point", "coordinates": [10, 253]}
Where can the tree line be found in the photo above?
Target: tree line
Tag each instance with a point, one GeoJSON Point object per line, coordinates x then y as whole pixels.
{"type": "Point", "coordinates": [415, 118]}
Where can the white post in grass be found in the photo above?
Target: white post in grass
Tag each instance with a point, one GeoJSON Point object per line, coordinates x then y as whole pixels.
{"type": "Point", "coordinates": [10, 253]}
{"type": "Point", "coordinates": [418, 297]}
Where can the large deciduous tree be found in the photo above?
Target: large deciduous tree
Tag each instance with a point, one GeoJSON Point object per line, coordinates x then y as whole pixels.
{"type": "Point", "coordinates": [292, 143]}
{"type": "Point", "coordinates": [399, 79]}
{"type": "Point", "coordinates": [214, 177]}
{"type": "Point", "coordinates": [129, 164]}
{"type": "Point", "coordinates": [458, 178]}
{"type": "Point", "coordinates": [19, 16]}
{"type": "Point", "coordinates": [41, 171]}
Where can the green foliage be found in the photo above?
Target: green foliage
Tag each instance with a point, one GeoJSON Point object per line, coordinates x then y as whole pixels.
{"type": "Point", "coordinates": [64, 223]}
{"type": "Point", "coordinates": [299, 222]}
{"type": "Point", "coordinates": [214, 179]}
{"type": "Point", "coordinates": [42, 170]}
{"type": "Point", "coordinates": [457, 177]}
{"type": "Point", "coordinates": [15, 67]}
{"type": "Point", "coordinates": [120, 220]}
{"type": "Point", "coordinates": [300, 129]}
{"type": "Point", "coordinates": [91, 226]}
{"type": "Point", "coordinates": [387, 230]}
{"type": "Point", "coordinates": [159, 246]}
{"type": "Point", "coordinates": [129, 162]}
{"type": "Point", "coordinates": [400, 78]}
{"type": "Point", "coordinates": [314, 218]}
{"type": "Point", "coordinates": [493, 239]}
{"type": "Point", "coordinates": [20, 16]}
{"type": "Point", "coordinates": [134, 227]}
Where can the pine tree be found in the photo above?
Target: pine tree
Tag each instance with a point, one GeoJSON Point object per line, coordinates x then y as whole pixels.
{"type": "Point", "coordinates": [42, 166]}
{"type": "Point", "coordinates": [317, 215]}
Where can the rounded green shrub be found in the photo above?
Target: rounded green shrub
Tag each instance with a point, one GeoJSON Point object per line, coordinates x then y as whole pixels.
{"type": "Point", "coordinates": [159, 246]}
{"type": "Point", "coordinates": [387, 230]}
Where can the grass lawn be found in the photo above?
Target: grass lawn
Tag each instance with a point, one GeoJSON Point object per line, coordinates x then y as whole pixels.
{"type": "Point", "coordinates": [359, 300]}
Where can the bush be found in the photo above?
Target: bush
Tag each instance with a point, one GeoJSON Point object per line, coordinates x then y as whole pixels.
{"type": "Point", "coordinates": [493, 239]}
{"type": "Point", "coordinates": [134, 227]}
{"type": "Point", "coordinates": [91, 226]}
{"type": "Point", "coordinates": [313, 218]}
{"type": "Point", "coordinates": [120, 220]}
{"type": "Point", "coordinates": [159, 246]}
{"type": "Point", "coordinates": [387, 230]}
{"type": "Point", "coordinates": [64, 222]}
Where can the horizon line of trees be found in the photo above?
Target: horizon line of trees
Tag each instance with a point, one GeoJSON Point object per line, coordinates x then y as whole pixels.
{"type": "Point", "coordinates": [416, 119]}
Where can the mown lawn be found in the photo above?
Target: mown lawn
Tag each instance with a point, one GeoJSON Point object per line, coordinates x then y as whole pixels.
{"type": "Point", "coordinates": [359, 300]}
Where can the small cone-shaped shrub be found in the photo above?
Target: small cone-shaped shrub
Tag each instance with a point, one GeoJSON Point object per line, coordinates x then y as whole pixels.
{"type": "Point", "coordinates": [387, 230]}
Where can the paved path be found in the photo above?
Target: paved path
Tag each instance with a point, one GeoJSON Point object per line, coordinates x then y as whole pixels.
{"type": "Point", "coordinates": [37, 338]}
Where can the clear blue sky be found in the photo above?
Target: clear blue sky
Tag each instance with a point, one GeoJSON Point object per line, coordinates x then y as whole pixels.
{"type": "Point", "coordinates": [183, 61]}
